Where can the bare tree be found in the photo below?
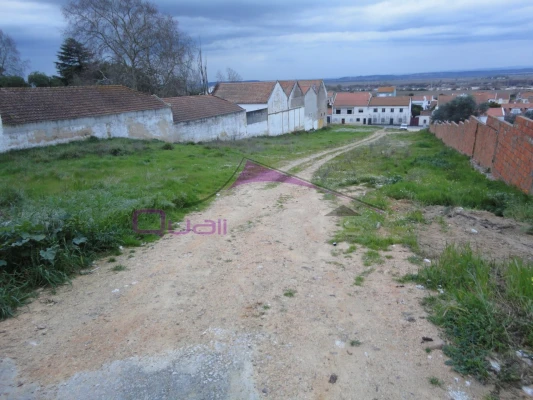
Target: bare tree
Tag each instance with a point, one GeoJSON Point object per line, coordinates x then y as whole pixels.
{"type": "Point", "coordinates": [231, 76]}
{"type": "Point", "coordinates": [10, 61]}
{"type": "Point", "coordinates": [144, 48]}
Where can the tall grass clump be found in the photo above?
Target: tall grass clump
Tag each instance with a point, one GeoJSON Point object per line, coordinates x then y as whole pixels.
{"type": "Point", "coordinates": [485, 309]}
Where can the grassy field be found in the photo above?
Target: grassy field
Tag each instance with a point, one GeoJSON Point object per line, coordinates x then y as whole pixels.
{"type": "Point", "coordinates": [62, 206]}
{"type": "Point", "coordinates": [485, 309]}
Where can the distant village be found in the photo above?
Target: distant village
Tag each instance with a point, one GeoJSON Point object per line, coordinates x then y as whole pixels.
{"type": "Point", "coordinates": [382, 106]}
{"type": "Point", "coordinates": [31, 117]}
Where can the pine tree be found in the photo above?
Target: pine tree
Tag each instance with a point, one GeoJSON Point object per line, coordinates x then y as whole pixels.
{"type": "Point", "coordinates": [74, 60]}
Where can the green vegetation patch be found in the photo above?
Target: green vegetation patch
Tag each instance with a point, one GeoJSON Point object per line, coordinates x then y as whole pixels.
{"type": "Point", "coordinates": [418, 167]}
{"type": "Point", "coordinates": [483, 307]}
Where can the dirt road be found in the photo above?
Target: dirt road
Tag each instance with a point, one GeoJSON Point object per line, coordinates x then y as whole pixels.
{"type": "Point", "coordinates": [267, 311]}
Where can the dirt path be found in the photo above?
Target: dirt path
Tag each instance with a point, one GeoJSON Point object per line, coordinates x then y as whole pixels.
{"type": "Point", "coordinates": [267, 311]}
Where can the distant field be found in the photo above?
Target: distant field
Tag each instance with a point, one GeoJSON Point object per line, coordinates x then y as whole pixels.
{"type": "Point", "coordinates": [62, 206]}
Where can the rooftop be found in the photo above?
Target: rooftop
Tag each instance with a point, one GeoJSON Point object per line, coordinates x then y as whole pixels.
{"type": "Point", "coordinates": [245, 92]}
{"type": "Point", "coordinates": [190, 108]}
{"type": "Point", "coordinates": [352, 99]}
{"type": "Point", "coordinates": [386, 89]}
{"type": "Point", "coordinates": [390, 101]}
{"type": "Point", "coordinates": [30, 105]}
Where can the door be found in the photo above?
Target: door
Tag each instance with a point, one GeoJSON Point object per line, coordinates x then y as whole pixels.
{"type": "Point", "coordinates": [343, 121]}
{"type": "Point", "coordinates": [391, 121]}
{"type": "Point", "coordinates": [364, 121]}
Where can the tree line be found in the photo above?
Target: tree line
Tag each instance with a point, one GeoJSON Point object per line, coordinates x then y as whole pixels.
{"type": "Point", "coordinates": [121, 42]}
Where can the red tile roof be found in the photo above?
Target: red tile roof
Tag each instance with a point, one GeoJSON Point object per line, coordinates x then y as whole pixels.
{"type": "Point", "coordinates": [386, 89]}
{"type": "Point", "coordinates": [425, 113]}
{"type": "Point", "coordinates": [287, 86]}
{"type": "Point", "coordinates": [390, 101]}
{"type": "Point", "coordinates": [29, 105]}
{"type": "Point", "coordinates": [484, 97]}
{"type": "Point", "coordinates": [245, 92]}
{"type": "Point", "coordinates": [420, 98]}
{"type": "Point", "coordinates": [330, 111]}
{"type": "Point", "coordinates": [495, 112]}
{"type": "Point", "coordinates": [190, 108]}
{"type": "Point", "coordinates": [352, 99]}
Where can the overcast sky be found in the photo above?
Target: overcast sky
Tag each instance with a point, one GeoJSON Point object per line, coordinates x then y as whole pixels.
{"type": "Point", "coordinates": [284, 39]}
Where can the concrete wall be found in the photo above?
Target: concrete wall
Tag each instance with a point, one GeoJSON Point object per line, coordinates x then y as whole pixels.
{"type": "Point", "coordinates": [311, 110]}
{"type": "Point", "coordinates": [322, 105]}
{"type": "Point", "coordinates": [505, 149]}
{"type": "Point", "coordinates": [222, 127]}
{"type": "Point", "coordinates": [153, 124]}
{"type": "Point", "coordinates": [278, 100]}
{"type": "Point", "coordinates": [296, 98]}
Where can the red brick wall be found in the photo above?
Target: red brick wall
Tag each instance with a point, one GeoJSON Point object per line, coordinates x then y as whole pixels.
{"type": "Point", "coordinates": [513, 161]}
{"type": "Point", "coordinates": [486, 141]}
{"type": "Point", "coordinates": [504, 148]}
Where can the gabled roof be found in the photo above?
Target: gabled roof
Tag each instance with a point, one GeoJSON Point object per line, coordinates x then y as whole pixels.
{"type": "Point", "coordinates": [386, 89]}
{"type": "Point", "coordinates": [426, 113]}
{"type": "Point", "coordinates": [190, 108]}
{"type": "Point", "coordinates": [245, 92]}
{"type": "Point", "coordinates": [287, 86]}
{"type": "Point", "coordinates": [390, 101]}
{"type": "Point", "coordinates": [360, 99]}
{"type": "Point", "coordinates": [29, 105]}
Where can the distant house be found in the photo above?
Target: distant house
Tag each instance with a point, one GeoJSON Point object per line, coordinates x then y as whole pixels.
{"type": "Point", "coordinates": [352, 109]}
{"type": "Point", "coordinates": [390, 110]}
{"type": "Point", "coordinates": [32, 117]}
{"type": "Point", "coordinates": [204, 118]}
{"type": "Point", "coordinates": [424, 119]}
{"type": "Point", "coordinates": [517, 108]}
{"type": "Point", "coordinates": [498, 113]}
{"type": "Point", "coordinates": [503, 97]}
{"type": "Point", "coordinates": [422, 101]}
{"type": "Point", "coordinates": [525, 97]}
{"type": "Point", "coordinates": [485, 97]}
{"type": "Point", "coordinates": [386, 91]}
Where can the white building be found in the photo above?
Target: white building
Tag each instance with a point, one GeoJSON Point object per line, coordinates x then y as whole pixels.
{"type": "Point", "coordinates": [319, 112]}
{"type": "Point", "coordinates": [35, 117]}
{"type": "Point", "coordinates": [204, 118]}
{"type": "Point", "coordinates": [424, 119]}
{"type": "Point", "coordinates": [351, 109]}
{"type": "Point", "coordinates": [266, 105]}
{"type": "Point", "coordinates": [390, 110]}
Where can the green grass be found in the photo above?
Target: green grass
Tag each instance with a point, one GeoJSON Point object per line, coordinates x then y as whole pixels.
{"type": "Point", "coordinates": [418, 167]}
{"type": "Point", "coordinates": [63, 206]}
{"type": "Point", "coordinates": [118, 268]}
{"type": "Point", "coordinates": [434, 381]}
{"type": "Point", "coordinates": [289, 293]}
{"type": "Point", "coordinates": [360, 279]}
{"type": "Point", "coordinates": [372, 257]}
{"type": "Point", "coordinates": [485, 308]}
{"type": "Point", "coordinates": [355, 343]}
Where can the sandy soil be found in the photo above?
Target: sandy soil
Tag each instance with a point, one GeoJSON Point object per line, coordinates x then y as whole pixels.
{"type": "Point", "coordinates": [208, 317]}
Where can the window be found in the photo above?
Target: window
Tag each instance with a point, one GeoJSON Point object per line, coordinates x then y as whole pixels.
{"type": "Point", "coordinates": [358, 120]}
{"type": "Point", "coordinates": [360, 110]}
{"type": "Point", "coordinates": [382, 120]}
{"type": "Point", "coordinates": [392, 110]}
{"type": "Point", "coordinates": [350, 111]}
{"type": "Point", "coordinates": [401, 109]}
{"type": "Point", "coordinates": [375, 110]}
{"type": "Point", "coordinates": [382, 110]}
{"type": "Point", "coordinates": [374, 120]}
{"type": "Point", "coordinates": [337, 111]}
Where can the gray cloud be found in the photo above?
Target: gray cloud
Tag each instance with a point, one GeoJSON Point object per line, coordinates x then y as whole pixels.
{"type": "Point", "coordinates": [310, 38]}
